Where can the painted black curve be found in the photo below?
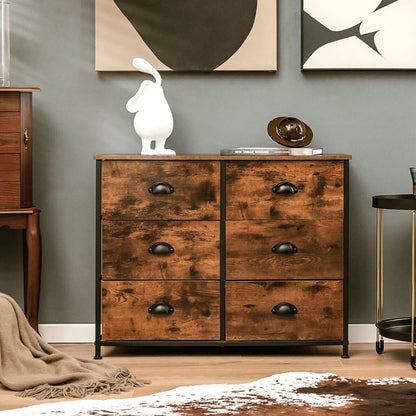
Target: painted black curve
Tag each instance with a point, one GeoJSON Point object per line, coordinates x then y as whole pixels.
{"type": "Point", "coordinates": [191, 35]}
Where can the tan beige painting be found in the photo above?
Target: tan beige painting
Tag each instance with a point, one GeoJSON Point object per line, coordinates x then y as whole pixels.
{"type": "Point", "coordinates": [186, 35]}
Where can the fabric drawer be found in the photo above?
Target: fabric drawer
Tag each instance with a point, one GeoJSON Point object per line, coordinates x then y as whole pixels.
{"type": "Point", "coordinates": [262, 190]}
{"type": "Point", "coordinates": [187, 310]}
{"type": "Point", "coordinates": [160, 250]}
{"type": "Point", "coordinates": [318, 314]}
{"type": "Point", "coordinates": [160, 190]}
{"type": "Point", "coordinates": [285, 249]}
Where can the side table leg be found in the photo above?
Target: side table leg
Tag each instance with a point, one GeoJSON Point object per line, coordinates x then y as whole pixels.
{"type": "Point", "coordinates": [25, 274]}
{"type": "Point", "coordinates": [412, 322]}
{"type": "Point", "coordinates": [380, 279]}
{"type": "Point", "coordinates": [33, 269]}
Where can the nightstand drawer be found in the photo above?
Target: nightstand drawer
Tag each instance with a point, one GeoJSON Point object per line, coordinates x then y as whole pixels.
{"type": "Point", "coordinates": [160, 250]}
{"type": "Point", "coordinates": [161, 310]}
{"type": "Point", "coordinates": [9, 195]}
{"type": "Point", "coordinates": [285, 249]}
{"type": "Point", "coordinates": [285, 190]}
{"type": "Point", "coordinates": [10, 122]}
{"type": "Point", "coordinates": [292, 311]}
{"type": "Point", "coordinates": [9, 142]}
{"type": "Point", "coordinates": [10, 101]}
{"type": "Point", "coordinates": [9, 168]}
{"type": "Point", "coordinates": [155, 190]}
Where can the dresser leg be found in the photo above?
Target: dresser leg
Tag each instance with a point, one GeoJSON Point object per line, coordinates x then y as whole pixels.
{"type": "Point", "coordinates": [345, 350]}
{"type": "Point", "coordinates": [98, 355]}
{"type": "Point", "coordinates": [32, 255]}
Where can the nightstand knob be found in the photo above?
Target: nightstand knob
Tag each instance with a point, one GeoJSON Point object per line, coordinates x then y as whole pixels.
{"type": "Point", "coordinates": [161, 248]}
{"type": "Point", "coordinates": [161, 188]}
{"type": "Point", "coordinates": [285, 308]}
{"type": "Point", "coordinates": [161, 308]}
{"type": "Point", "coordinates": [285, 188]}
{"type": "Point", "coordinates": [284, 247]}
{"type": "Point", "coordinates": [26, 139]}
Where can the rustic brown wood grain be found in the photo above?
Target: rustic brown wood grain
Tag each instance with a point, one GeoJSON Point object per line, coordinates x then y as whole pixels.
{"type": "Point", "coordinates": [9, 101]}
{"type": "Point", "coordinates": [270, 158]}
{"type": "Point", "coordinates": [15, 124]}
{"type": "Point", "coordinates": [125, 253]}
{"type": "Point", "coordinates": [13, 221]}
{"type": "Point", "coordinates": [249, 305]}
{"type": "Point", "coordinates": [9, 142]}
{"type": "Point", "coordinates": [9, 195]}
{"type": "Point", "coordinates": [319, 249]}
{"type": "Point", "coordinates": [125, 313]}
{"type": "Point", "coordinates": [125, 192]}
{"type": "Point", "coordinates": [10, 122]}
{"type": "Point", "coordinates": [319, 183]}
{"type": "Point", "coordinates": [9, 168]}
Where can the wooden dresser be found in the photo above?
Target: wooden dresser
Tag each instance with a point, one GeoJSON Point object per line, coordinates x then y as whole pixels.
{"type": "Point", "coordinates": [216, 250]}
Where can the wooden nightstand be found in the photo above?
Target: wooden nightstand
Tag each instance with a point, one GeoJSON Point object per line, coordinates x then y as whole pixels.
{"type": "Point", "coordinates": [16, 210]}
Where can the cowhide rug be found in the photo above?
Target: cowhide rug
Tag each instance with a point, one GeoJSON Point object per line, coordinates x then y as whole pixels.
{"type": "Point", "coordinates": [282, 394]}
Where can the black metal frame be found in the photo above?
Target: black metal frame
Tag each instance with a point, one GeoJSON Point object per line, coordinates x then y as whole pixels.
{"type": "Point", "coordinates": [98, 341]}
{"type": "Point", "coordinates": [222, 341]}
{"type": "Point", "coordinates": [346, 257]}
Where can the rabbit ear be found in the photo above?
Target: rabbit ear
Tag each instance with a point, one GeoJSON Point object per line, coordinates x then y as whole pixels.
{"type": "Point", "coordinates": [134, 104]}
{"type": "Point", "coordinates": [143, 66]}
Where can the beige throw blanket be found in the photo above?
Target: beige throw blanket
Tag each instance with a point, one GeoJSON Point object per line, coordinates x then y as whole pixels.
{"type": "Point", "coordinates": [31, 366]}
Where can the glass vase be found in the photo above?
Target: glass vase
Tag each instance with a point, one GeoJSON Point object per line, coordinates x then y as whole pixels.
{"type": "Point", "coordinates": [5, 43]}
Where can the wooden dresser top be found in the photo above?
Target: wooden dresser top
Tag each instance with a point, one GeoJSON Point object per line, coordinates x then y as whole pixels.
{"type": "Point", "coordinates": [219, 157]}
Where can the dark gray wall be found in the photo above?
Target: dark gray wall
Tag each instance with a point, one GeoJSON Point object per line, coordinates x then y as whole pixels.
{"type": "Point", "coordinates": [80, 113]}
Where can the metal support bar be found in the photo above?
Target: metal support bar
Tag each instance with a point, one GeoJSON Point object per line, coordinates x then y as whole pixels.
{"type": "Point", "coordinates": [380, 278]}
{"type": "Point", "coordinates": [412, 322]}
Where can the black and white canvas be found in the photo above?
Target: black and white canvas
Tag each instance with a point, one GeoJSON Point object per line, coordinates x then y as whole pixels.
{"type": "Point", "coordinates": [358, 34]}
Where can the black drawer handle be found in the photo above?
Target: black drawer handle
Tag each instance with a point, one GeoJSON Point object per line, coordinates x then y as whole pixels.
{"type": "Point", "coordinates": [285, 188]}
{"type": "Point", "coordinates": [285, 308]}
{"type": "Point", "coordinates": [161, 248]}
{"type": "Point", "coordinates": [161, 188]}
{"type": "Point", "coordinates": [284, 248]}
{"type": "Point", "coordinates": [161, 308]}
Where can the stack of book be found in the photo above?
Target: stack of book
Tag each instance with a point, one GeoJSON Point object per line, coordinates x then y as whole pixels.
{"type": "Point", "coordinates": [272, 151]}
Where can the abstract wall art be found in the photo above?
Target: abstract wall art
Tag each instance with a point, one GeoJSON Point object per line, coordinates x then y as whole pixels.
{"type": "Point", "coordinates": [186, 35]}
{"type": "Point", "coordinates": [358, 34]}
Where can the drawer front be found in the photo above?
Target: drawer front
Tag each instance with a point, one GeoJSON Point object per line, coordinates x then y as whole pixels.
{"type": "Point", "coordinates": [9, 168]}
{"type": "Point", "coordinates": [160, 250]}
{"type": "Point", "coordinates": [9, 142]}
{"type": "Point", "coordinates": [10, 101]}
{"type": "Point", "coordinates": [285, 249]}
{"type": "Point", "coordinates": [9, 122]}
{"type": "Point", "coordinates": [249, 308]}
{"type": "Point", "coordinates": [319, 185]}
{"type": "Point", "coordinates": [186, 190]}
{"type": "Point", "coordinates": [9, 195]}
{"type": "Point", "coordinates": [126, 316]}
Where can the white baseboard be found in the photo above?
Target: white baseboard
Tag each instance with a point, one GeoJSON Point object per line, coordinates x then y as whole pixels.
{"type": "Point", "coordinates": [68, 333]}
{"type": "Point", "coordinates": [85, 333]}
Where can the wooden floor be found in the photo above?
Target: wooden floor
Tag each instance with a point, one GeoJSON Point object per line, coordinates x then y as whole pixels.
{"type": "Point", "coordinates": [170, 368]}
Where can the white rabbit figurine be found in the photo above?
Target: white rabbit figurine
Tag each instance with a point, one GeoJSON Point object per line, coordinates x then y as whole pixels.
{"type": "Point", "coordinates": [153, 120]}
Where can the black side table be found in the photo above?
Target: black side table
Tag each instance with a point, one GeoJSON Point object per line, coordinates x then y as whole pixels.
{"type": "Point", "coordinates": [401, 329]}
